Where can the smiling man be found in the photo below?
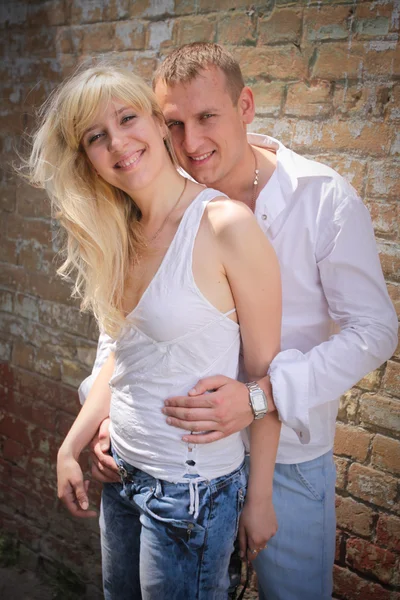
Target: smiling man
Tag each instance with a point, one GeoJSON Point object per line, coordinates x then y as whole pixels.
{"type": "Point", "coordinates": [338, 321]}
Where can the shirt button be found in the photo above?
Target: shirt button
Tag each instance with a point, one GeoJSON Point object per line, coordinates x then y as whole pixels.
{"type": "Point", "coordinates": [264, 217]}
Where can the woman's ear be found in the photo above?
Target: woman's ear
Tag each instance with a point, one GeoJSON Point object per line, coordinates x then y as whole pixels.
{"type": "Point", "coordinates": [246, 105]}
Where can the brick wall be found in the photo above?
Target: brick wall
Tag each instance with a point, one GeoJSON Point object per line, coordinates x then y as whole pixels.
{"type": "Point", "coordinates": [326, 79]}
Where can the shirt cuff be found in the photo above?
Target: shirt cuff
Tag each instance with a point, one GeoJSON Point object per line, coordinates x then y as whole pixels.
{"type": "Point", "coordinates": [290, 388]}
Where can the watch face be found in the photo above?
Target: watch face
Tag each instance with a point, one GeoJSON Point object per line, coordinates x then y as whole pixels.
{"type": "Point", "coordinates": [258, 401]}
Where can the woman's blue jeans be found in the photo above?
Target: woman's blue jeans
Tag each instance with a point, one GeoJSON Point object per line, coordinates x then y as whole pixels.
{"type": "Point", "coordinates": [153, 549]}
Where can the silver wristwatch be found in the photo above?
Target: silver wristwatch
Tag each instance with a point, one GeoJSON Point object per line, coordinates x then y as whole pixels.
{"type": "Point", "coordinates": [257, 400]}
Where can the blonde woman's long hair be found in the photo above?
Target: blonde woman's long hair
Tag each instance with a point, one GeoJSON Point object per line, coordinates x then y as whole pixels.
{"type": "Point", "coordinates": [102, 222]}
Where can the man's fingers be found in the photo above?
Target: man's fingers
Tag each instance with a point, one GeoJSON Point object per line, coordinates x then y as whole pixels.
{"type": "Point", "coordinates": [105, 460]}
{"type": "Point", "coordinates": [204, 401]}
{"type": "Point", "coordinates": [104, 475]}
{"type": "Point", "coordinates": [104, 435]}
{"type": "Point", "coordinates": [192, 426]}
{"type": "Point", "coordinates": [207, 384]}
{"type": "Point", "coordinates": [203, 438]}
{"type": "Point", "coordinates": [190, 414]}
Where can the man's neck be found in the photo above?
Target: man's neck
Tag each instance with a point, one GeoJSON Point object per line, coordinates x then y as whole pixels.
{"type": "Point", "coordinates": [239, 185]}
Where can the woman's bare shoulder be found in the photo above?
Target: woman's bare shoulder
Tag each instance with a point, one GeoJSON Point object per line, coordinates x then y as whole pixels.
{"type": "Point", "coordinates": [225, 213]}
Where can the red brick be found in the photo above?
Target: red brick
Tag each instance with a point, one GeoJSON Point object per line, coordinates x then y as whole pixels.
{"type": "Point", "coordinates": [380, 411]}
{"type": "Point", "coordinates": [390, 259]}
{"type": "Point", "coordinates": [83, 12]}
{"type": "Point", "coordinates": [391, 383]}
{"type": "Point", "coordinates": [23, 355]}
{"type": "Point", "coordinates": [15, 429]}
{"type": "Point", "coordinates": [354, 516]}
{"type": "Point", "coordinates": [50, 392]}
{"type": "Point", "coordinates": [388, 532]}
{"type": "Point", "coordinates": [48, 13]}
{"type": "Point", "coordinates": [26, 307]}
{"type": "Point", "coordinates": [385, 218]}
{"type": "Point", "coordinates": [30, 255]}
{"type": "Point", "coordinates": [394, 293]}
{"type": "Point", "coordinates": [268, 97]}
{"type": "Point", "coordinates": [59, 316]}
{"type": "Point", "coordinates": [369, 558]}
{"type": "Point", "coordinates": [34, 229]}
{"type": "Point", "coordinates": [382, 181]}
{"type": "Point", "coordinates": [329, 23]}
{"type": "Point", "coordinates": [282, 25]}
{"type": "Point", "coordinates": [372, 381]}
{"type": "Point", "coordinates": [348, 405]}
{"type": "Point", "coordinates": [346, 136]}
{"type": "Point", "coordinates": [189, 29]}
{"type": "Point", "coordinates": [98, 38]}
{"type": "Point", "coordinates": [342, 467]}
{"type": "Point", "coordinates": [32, 202]}
{"type": "Point", "coordinates": [350, 586]}
{"type": "Point", "coordinates": [277, 62]}
{"type": "Point", "coordinates": [210, 5]}
{"type": "Point", "coordinates": [386, 454]}
{"type": "Point", "coordinates": [236, 28]}
{"type": "Point", "coordinates": [305, 100]}
{"type": "Point", "coordinates": [73, 373]}
{"type": "Point", "coordinates": [352, 442]}
{"type": "Point", "coordinates": [15, 452]}
{"type": "Point", "coordinates": [341, 61]}
{"type": "Point", "coordinates": [130, 35]}
{"type": "Point", "coordinates": [372, 486]}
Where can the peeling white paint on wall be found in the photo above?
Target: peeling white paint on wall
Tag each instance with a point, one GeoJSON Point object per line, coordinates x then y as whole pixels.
{"type": "Point", "coordinates": [160, 32]}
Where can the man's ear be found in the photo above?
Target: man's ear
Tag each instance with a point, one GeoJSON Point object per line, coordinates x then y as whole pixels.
{"type": "Point", "coordinates": [246, 105]}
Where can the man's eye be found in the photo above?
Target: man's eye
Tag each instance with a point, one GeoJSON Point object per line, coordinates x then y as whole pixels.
{"type": "Point", "coordinates": [207, 116]}
{"type": "Point", "coordinates": [174, 124]}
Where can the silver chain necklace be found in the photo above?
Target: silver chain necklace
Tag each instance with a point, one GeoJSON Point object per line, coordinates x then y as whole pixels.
{"type": "Point", "coordinates": [163, 224]}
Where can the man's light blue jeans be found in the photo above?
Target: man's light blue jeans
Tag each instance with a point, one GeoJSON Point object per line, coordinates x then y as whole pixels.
{"type": "Point", "coordinates": [298, 561]}
{"type": "Point", "coordinates": [153, 549]}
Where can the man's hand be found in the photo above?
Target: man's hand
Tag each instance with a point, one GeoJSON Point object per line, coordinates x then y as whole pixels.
{"type": "Point", "coordinates": [221, 412]}
{"type": "Point", "coordinates": [104, 468]}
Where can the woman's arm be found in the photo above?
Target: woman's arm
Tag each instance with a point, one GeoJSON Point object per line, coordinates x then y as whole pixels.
{"type": "Point", "coordinates": [72, 490]}
{"type": "Point", "coordinates": [253, 273]}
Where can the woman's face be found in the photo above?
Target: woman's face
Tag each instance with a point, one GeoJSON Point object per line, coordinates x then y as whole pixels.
{"type": "Point", "coordinates": [125, 146]}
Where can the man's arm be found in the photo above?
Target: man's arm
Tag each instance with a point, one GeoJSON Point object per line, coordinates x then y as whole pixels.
{"type": "Point", "coordinates": [359, 304]}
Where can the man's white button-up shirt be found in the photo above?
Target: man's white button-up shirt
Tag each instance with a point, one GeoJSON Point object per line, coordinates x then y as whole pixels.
{"type": "Point", "coordinates": [338, 321]}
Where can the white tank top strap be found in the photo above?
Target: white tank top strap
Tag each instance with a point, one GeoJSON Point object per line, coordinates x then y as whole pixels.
{"type": "Point", "coordinates": [183, 243]}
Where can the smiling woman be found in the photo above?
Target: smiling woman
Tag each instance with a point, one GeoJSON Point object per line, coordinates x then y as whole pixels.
{"type": "Point", "coordinates": [166, 266]}
{"type": "Point", "coordinates": [72, 151]}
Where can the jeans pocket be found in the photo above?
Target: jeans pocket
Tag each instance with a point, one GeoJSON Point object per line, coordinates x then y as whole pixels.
{"type": "Point", "coordinates": [160, 510]}
{"type": "Point", "coordinates": [312, 479]}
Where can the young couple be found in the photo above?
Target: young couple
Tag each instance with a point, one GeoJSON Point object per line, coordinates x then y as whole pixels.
{"type": "Point", "coordinates": [179, 277]}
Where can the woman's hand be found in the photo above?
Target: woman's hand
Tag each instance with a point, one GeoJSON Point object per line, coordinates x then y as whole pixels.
{"type": "Point", "coordinates": [256, 526]}
{"type": "Point", "coordinates": [71, 488]}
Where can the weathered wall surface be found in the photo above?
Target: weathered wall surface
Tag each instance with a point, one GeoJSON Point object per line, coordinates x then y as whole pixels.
{"type": "Point", "coordinates": [326, 78]}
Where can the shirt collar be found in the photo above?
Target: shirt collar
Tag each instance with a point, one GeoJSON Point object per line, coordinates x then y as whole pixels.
{"type": "Point", "coordinates": [283, 181]}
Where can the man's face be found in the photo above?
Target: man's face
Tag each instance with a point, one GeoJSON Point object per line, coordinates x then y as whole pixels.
{"type": "Point", "coordinates": [208, 131]}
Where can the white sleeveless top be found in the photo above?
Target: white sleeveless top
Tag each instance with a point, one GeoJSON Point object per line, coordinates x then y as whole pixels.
{"type": "Point", "coordinates": [173, 338]}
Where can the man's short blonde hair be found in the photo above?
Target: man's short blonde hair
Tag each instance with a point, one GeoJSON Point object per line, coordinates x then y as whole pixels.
{"type": "Point", "coordinates": [187, 62]}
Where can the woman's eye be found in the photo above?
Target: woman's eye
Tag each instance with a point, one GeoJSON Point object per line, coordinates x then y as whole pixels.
{"type": "Point", "coordinates": [128, 118]}
{"type": "Point", "coordinates": [94, 138]}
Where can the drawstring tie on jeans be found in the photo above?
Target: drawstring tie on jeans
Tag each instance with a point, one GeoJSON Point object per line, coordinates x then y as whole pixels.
{"type": "Point", "coordinates": [194, 496]}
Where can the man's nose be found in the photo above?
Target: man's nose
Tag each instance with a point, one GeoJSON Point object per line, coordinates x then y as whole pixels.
{"type": "Point", "coordinates": [192, 139]}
